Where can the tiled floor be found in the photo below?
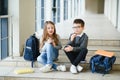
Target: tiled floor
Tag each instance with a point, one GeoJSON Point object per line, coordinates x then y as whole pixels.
{"type": "Point", "coordinates": [85, 75]}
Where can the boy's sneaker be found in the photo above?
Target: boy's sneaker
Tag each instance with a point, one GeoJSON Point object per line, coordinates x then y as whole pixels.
{"type": "Point", "coordinates": [79, 68]}
{"type": "Point", "coordinates": [73, 69]}
{"type": "Point", "coordinates": [61, 68]}
{"type": "Point", "coordinates": [46, 68]}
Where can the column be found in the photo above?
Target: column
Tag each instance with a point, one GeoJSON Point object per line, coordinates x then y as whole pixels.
{"type": "Point", "coordinates": [114, 12]}
{"type": "Point", "coordinates": [119, 17]}
{"type": "Point", "coordinates": [13, 11]}
{"type": "Point", "coordinates": [61, 10]}
{"type": "Point", "coordinates": [48, 10]}
{"type": "Point", "coordinates": [69, 9]}
{"type": "Point", "coordinates": [82, 6]}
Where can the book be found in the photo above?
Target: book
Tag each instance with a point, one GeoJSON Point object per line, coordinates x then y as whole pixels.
{"type": "Point", "coordinates": [24, 70]}
{"type": "Point", "coordinates": [104, 53]}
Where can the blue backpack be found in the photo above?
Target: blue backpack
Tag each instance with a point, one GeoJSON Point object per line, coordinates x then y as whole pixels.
{"type": "Point", "coordinates": [101, 64]}
{"type": "Point", "coordinates": [31, 49]}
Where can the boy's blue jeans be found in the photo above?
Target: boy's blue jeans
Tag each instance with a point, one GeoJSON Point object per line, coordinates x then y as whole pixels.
{"type": "Point", "coordinates": [48, 55]}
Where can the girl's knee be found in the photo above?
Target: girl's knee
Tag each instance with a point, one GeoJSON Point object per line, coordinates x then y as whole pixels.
{"type": "Point", "coordinates": [40, 59]}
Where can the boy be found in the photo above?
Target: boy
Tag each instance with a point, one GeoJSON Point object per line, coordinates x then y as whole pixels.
{"type": "Point", "coordinates": [76, 49]}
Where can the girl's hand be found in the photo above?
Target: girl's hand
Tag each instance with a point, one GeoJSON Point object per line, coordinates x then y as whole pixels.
{"type": "Point", "coordinates": [53, 43]}
{"type": "Point", "coordinates": [49, 40]}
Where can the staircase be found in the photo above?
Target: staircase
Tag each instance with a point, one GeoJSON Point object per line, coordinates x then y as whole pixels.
{"type": "Point", "coordinates": [10, 64]}
{"type": "Point", "coordinates": [102, 35]}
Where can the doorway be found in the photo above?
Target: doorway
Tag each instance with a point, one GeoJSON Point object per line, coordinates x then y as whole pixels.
{"type": "Point", "coordinates": [95, 6]}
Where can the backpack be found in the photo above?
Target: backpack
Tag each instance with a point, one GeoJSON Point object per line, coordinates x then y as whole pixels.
{"type": "Point", "coordinates": [101, 64]}
{"type": "Point", "coordinates": [31, 49]}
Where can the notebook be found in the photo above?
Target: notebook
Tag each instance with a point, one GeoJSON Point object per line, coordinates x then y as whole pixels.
{"type": "Point", "coordinates": [24, 70]}
{"type": "Point", "coordinates": [104, 53]}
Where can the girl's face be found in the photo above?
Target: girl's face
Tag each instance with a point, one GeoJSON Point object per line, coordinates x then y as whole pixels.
{"type": "Point", "coordinates": [50, 29]}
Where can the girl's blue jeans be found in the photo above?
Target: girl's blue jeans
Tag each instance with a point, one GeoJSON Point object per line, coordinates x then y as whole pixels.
{"type": "Point", "coordinates": [48, 55]}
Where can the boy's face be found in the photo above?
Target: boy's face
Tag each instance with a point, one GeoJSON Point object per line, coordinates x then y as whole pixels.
{"type": "Point", "coordinates": [78, 29]}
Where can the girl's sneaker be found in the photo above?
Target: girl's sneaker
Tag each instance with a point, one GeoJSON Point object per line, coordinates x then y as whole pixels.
{"type": "Point", "coordinates": [46, 68]}
{"type": "Point", "coordinates": [61, 68]}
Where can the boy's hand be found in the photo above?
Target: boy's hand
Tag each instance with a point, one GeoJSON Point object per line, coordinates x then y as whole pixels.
{"type": "Point", "coordinates": [72, 37]}
{"type": "Point", "coordinates": [68, 48]}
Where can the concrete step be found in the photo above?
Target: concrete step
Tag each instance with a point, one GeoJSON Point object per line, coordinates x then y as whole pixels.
{"type": "Point", "coordinates": [98, 42]}
{"type": "Point", "coordinates": [62, 59]}
{"type": "Point", "coordinates": [92, 49]}
{"type": "Point", "coordinates": [55, 75]}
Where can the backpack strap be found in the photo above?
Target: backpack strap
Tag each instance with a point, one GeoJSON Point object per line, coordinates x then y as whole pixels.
{"type": "Point", "coordinates": [32, 63]}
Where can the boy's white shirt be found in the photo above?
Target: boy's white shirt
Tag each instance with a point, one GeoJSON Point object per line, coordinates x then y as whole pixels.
{"type": "Point", "coordinates": [80, 34]}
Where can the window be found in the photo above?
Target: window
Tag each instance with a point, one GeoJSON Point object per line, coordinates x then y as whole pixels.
{"type": "Point", "coordinates": [3, 7]}
{"type": "Point", "coordinates": [42, 13]}
{"type": "Point", "coordinates": [65, 9]}
{"type": "Point", "coordinates": [56, 11]}
{"type": "Point", "coordinates": [39, 14]}
{"type": "Point", "coordinates": [4, 47]}
{"type": "Point", "coordinates": [4, 37]}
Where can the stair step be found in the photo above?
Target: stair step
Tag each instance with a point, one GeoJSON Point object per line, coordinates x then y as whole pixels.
{"type": "Point", "coordinates": [92, 49]}
{"type": "Point", "coordinates": [55, 75]}
{"type": "Point", "coordinates": [108, 48]}
{"type": "Point", "coordinates": [20, 62]}
{"type": "Point", "coordinates": [98, 42]}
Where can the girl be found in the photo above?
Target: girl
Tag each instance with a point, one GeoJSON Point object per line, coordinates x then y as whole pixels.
{"type": "Point", "coordinates": [49, 48]}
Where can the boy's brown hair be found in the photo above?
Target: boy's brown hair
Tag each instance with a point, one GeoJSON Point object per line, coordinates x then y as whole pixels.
{"type": "Point", "coordinates": [79, 21]}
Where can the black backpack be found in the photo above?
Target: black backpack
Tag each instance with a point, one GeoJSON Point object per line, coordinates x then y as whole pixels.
{"type": "Point", "coordinates": [101, 64]}
{"type": "Point", "coordinates": [31, 49]}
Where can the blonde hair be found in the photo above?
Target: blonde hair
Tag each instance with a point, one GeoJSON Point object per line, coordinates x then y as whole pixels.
{"type": "Point", "coordinates": [45, 35]}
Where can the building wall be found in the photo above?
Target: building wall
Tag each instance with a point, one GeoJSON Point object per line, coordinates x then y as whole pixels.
{"type": "Point", "coordinates": [91, 6]}
{"type": "Point", "coordinates": [23, 20]}
{"type": "Point", "coordinates": [26, 21]}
